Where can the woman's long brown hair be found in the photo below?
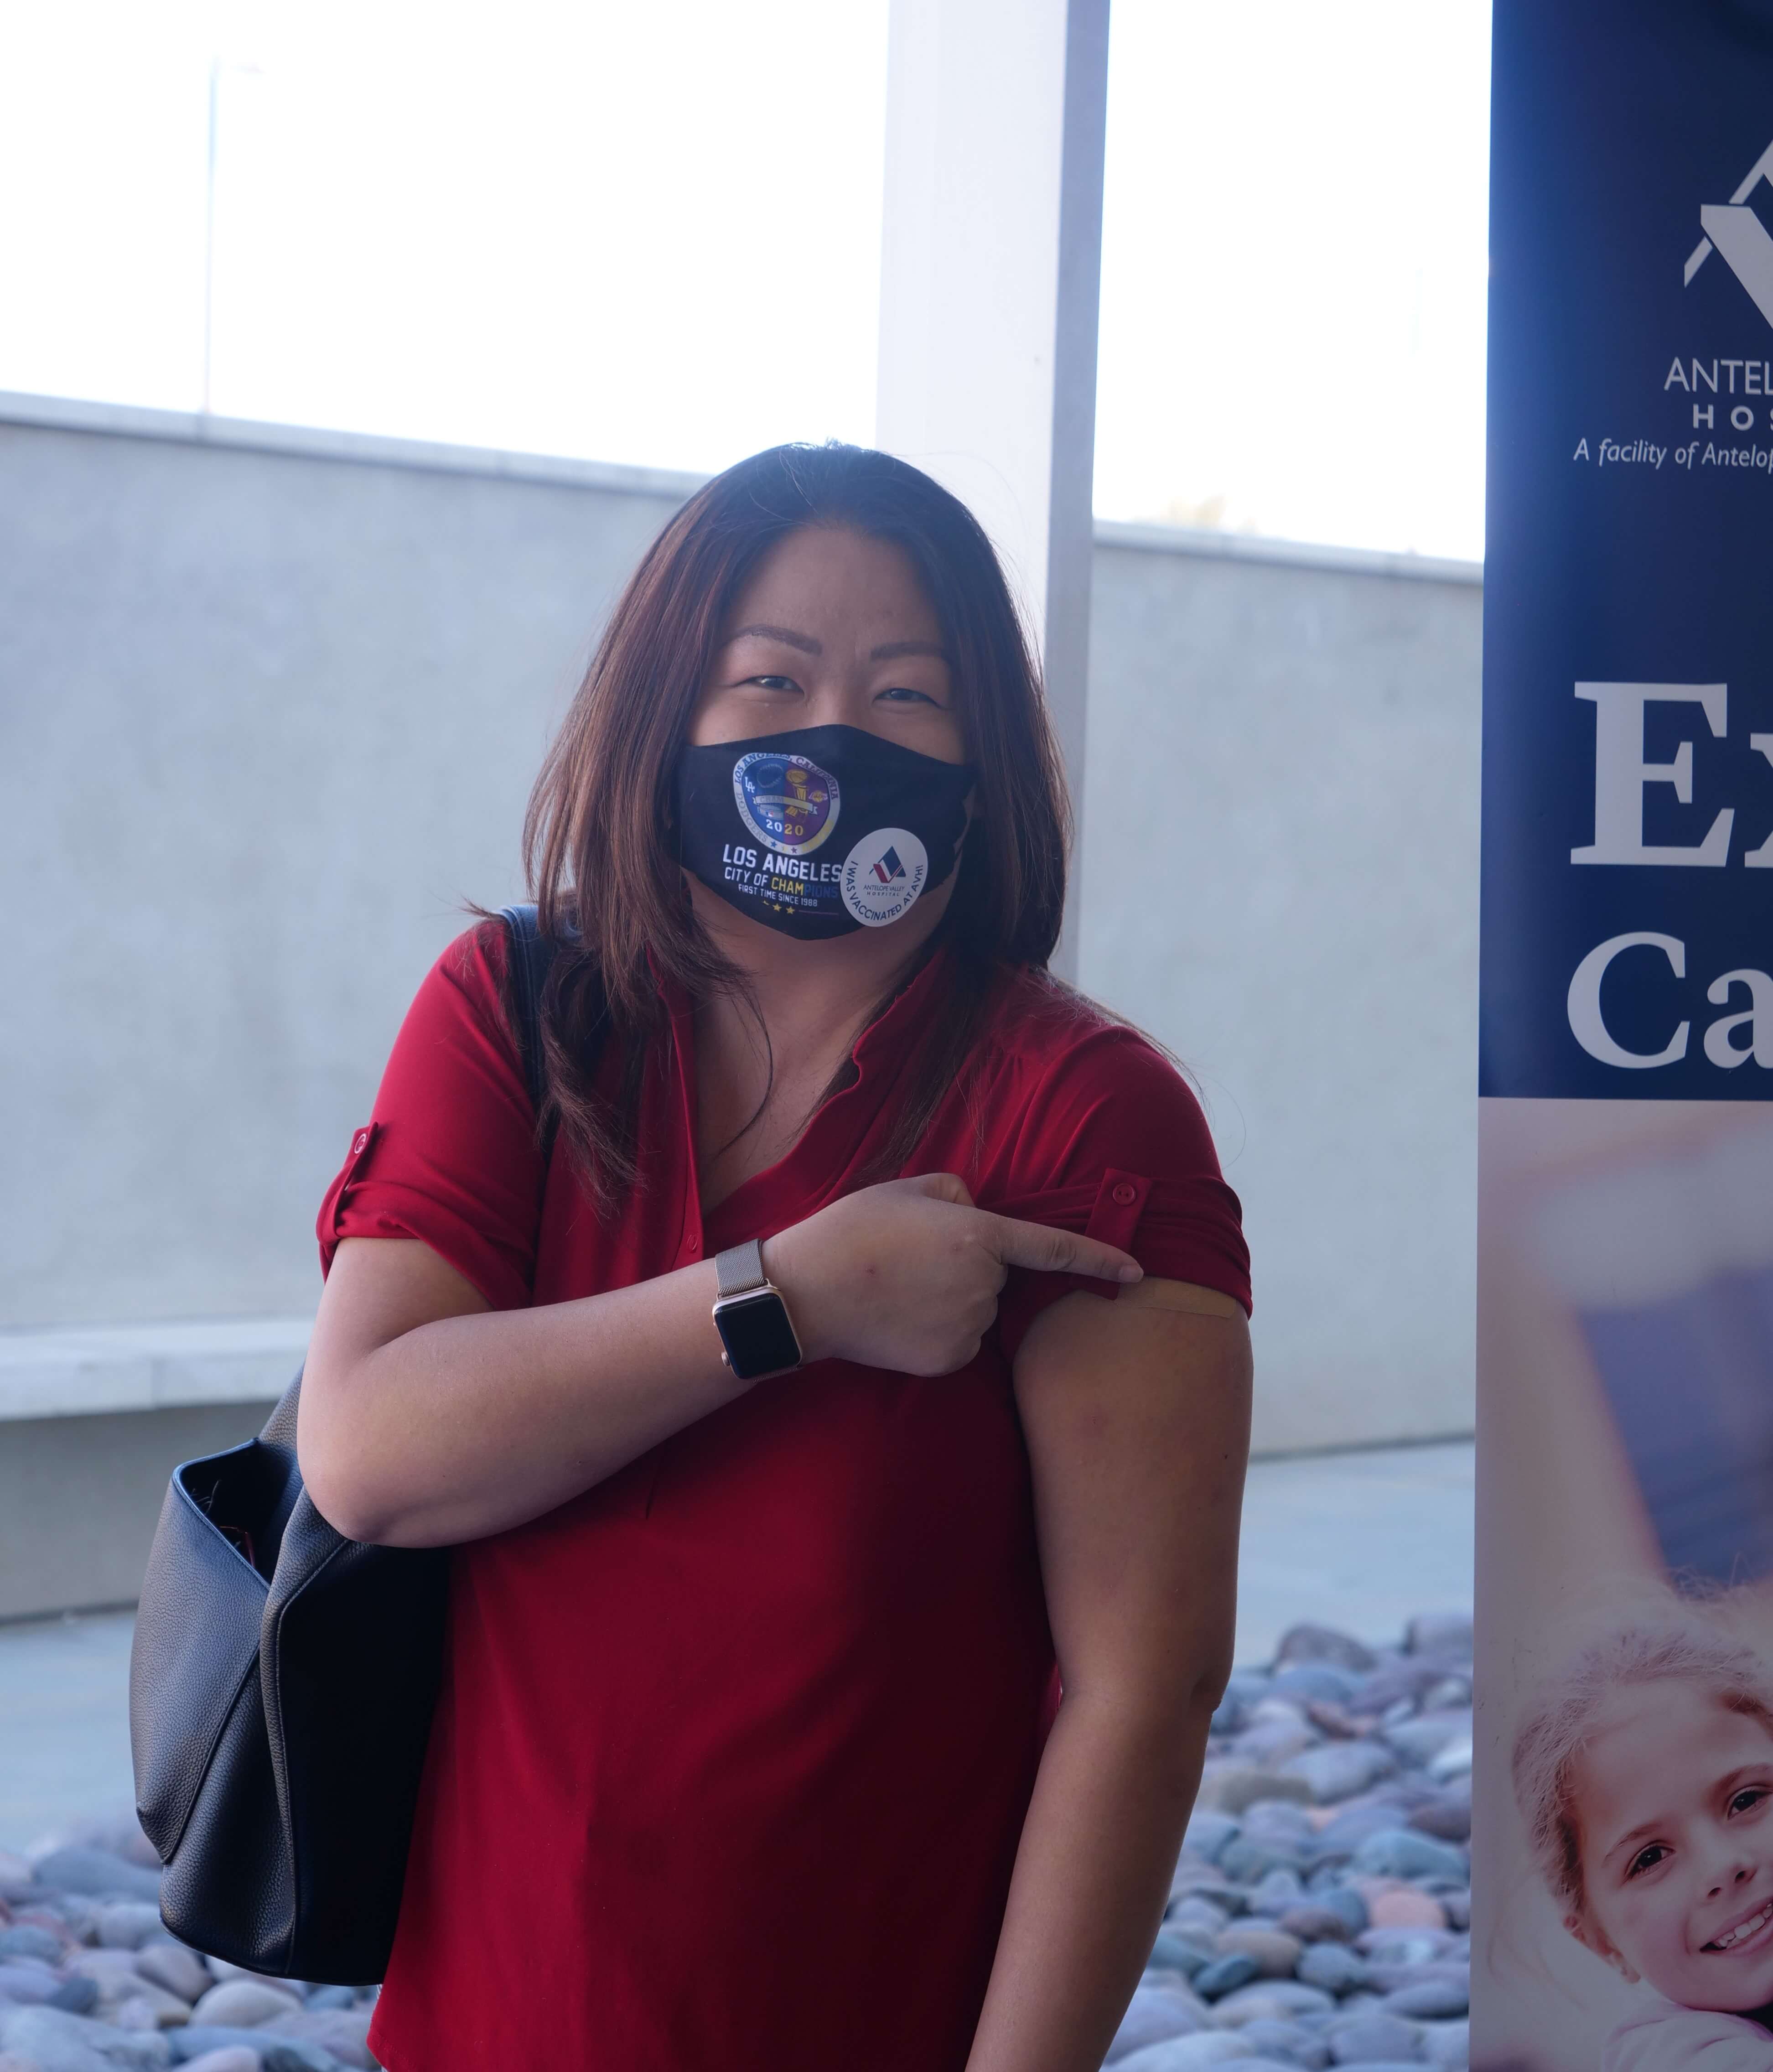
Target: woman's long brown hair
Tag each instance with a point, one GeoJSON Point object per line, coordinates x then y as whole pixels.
{"type": "Point", "coordinates": [599, 852]}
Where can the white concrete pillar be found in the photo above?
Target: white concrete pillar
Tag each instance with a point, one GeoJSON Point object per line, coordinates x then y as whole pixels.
{"type": "Point", "coordinates": [991, 265]}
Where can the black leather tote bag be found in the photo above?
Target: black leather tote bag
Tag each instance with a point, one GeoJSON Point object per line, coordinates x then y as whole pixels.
{"type": "Point", "coordinates": [281, 1684]}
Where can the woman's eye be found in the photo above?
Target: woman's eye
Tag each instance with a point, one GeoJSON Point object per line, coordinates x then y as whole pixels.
{"type": "Point", "coordinates": [776, 682]}
{"type": "Point", "coordinates": [1646, 1860]}
{"type": "Point", "coordinates": [903, 692]}
{"type": "Point", "coordinates": [1748, 1797]}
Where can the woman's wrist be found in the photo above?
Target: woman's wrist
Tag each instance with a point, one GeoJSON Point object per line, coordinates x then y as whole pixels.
{"type": "Point", "coordinates": [793, 1269]}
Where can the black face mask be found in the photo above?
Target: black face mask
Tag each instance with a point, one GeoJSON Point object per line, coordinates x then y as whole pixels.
{"type": "Point", "coordinates": [822, 831]}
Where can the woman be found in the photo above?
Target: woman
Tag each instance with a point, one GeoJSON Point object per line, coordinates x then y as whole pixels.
{"type": "Point", "coordinates": [742, 1756]}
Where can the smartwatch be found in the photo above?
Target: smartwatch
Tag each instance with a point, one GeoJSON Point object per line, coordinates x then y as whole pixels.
{"type": "Point", "coordinates": [751, 1317]}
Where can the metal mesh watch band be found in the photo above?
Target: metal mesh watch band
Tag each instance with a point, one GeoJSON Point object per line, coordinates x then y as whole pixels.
{"type": "Point", "coordinates": [739, 1268]}
{"type": "Point", "coordinates": [756, 1333]}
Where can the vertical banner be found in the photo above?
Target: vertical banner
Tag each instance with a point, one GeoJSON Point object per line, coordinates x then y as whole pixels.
{"type": "Point", "coordinates": [1624, 1832]}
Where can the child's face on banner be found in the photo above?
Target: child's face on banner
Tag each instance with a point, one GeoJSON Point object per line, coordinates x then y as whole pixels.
{"type": "Point", "coordinates": [1674, 1793]}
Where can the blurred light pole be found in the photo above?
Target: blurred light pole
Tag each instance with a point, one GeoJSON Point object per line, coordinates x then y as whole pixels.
{"type": "Point", "coordinates": [990, 265]}
{"type": "Point", "coordinates": [217, 66]}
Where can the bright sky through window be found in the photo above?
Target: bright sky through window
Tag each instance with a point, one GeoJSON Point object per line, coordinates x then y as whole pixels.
{"type": "Point", "coordinates": [651, 235]}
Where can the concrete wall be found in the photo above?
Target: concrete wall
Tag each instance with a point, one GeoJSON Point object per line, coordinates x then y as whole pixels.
{"type": "Point", "coordinates": [79, 1497]}
{"type": "Point", "coordinates": [1280, 879]}
{"type": "Point", "coordinates": [270, 705]}
{"type": "Point", "coordinates": [265, 719]}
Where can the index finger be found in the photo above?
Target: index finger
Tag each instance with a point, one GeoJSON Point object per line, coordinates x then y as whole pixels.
{"type": "Point", "coordinates": [1048, 1251]}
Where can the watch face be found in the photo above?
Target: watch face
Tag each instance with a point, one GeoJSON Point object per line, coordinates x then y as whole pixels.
{"type": "Point", "coordinates": [759, 1337]}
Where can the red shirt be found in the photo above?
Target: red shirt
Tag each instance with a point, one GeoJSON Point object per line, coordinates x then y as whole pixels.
{"type": "Point", "coordinates": [732, 1751]}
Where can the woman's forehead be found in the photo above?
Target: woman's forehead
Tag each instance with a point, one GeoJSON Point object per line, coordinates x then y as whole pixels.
{"type": "Point", "coordinates": [823, 582]}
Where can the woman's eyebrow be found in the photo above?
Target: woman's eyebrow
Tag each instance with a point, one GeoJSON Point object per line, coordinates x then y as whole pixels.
{"type": "Point", "coordinates": [786, 635]}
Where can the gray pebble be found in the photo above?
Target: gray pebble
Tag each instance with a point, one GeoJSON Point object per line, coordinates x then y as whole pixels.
{"type": "Point", "coordinates": [1224, 1974]}
{"type": "Point", "coordinates": [1450, 1690]}
{"type": "Point", "coordinates": [1445, 1970]}
{"type": "Point", "coordinates": [60, 2043]}
{"type": "Point", "coordinates": [171, 1964]}
{"type": "Point", "coordinates": [1420, 1739]}
{"type": "Point", "coordinates": [126, 1924]}
{"type": "Point", "coordinates": [1234, 1786]}
{"type": "Point", "coordinates": [1271, 1999]}
{"type": "Point", "coordinates": [1208, 1885]}
{"type": "Point", "coordinates": [1445, 1633]}
{"type": "Point", "coordinates": [1333, 1966]}
{"type": "Point", "coordinates": [1435, 1998]}
{"type": "Point", "coordinates": [283, 2053]}
{"type": "Point", "coordinates": [96, 1873]}
{"type": "Point", "coordinates": [1313, 1922]}
{"type": "Point", "coordinates": [1352, 1824]}
{"type": "Point", "coordinates": [1171, 1952]}
{"type": "Point", "coordinates": [1187, 2053]}
{"type": "Point", "coordinates": [28, 1981]}
{"type": "Point", "coordinates": [44, 2051]}
{"type": "Point", "coordinates": [1345, 1900]}
{"type": "Point", "coordinates": [1447, 1817]}
{"type": "Point", "coordinates": [1278, 1891]}
{"type": "Point", "coordinates": [1279, 1820]}
{"type": "Point", "coordinates": [1406, 1852]}
{"type": "Point", "coordinates": [343, 2031]}
{"type": "Point", "coordinates": [1248, 1858]}
{"type": "Point", "coordinates": [1286, 2041]}
{"type": "Point", "coordinates": [1197, 1919]}
{"type": "Point", "coordinates": [1403, 1680]}
{"type": "Point", "coordinates": [1323, 1643]}
{"type": "Point", "coordinates": [1154, 2014]}
{"type": "Point", "coordinates": [1322, 1681]}
{"type": "Point", "coordinates": [1339, 1769]}
{"type": "Point", "coordinates": [1373, 2039]}
{"type": "Point", "coordinates": [1207, 1833]}
{"type": "Point", "coordinates": [1404, 1945]}
{"type": "Point", "coordinates": [1447, 2043]}
{"type": "Point", "coordinates": [243, 2004]}
{"type": "Point", "coordinates": [28, 1940]}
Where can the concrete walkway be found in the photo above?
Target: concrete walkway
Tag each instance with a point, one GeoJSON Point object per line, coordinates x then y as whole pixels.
{"type": "Point", "coordinates": [1354, 1540]}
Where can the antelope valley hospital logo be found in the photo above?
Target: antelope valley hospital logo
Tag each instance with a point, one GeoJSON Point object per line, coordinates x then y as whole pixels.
{"type": "Point", "coordinates": [1737, 234]}
{"type": "Point", "coordinates": [1718, 412]}
{"type": "Point", "coordinates": [882, 876]}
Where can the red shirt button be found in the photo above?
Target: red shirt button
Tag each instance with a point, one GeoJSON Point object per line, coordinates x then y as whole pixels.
{"type": "Point", "coordinates": [1125, 1193]}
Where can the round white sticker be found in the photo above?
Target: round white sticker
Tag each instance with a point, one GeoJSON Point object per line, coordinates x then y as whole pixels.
{"type": "Point", "coordinates": [883, 875]}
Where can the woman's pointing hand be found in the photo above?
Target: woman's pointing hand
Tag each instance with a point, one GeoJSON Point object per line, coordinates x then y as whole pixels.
{"type": "Point", "coordinates": [906, 1275]}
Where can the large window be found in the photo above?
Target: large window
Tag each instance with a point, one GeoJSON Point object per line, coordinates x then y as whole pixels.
{"type": "Point", "coordinates": [1294, 270]}
{"type": "Point", "coordinates": [650, 234]}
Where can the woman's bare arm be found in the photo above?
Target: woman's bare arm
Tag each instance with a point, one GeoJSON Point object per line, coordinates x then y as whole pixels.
{"type": "Point", "coordinates": [427, 1417]}
{"type": "Point", "coordinates": [1137, 1417]}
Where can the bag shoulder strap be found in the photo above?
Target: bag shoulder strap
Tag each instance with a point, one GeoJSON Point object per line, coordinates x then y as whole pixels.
{"type": "Point", "coordinates": [531, 956]}
{"type": "Point", "coordinates": [531, 959]}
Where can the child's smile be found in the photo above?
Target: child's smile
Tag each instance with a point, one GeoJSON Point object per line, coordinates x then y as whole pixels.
{"type": "Point", "coordinates": [1675, 1797]}
{"type": "Point", "coordinates": [1740, 1933]}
